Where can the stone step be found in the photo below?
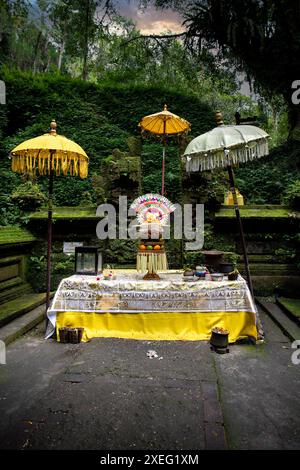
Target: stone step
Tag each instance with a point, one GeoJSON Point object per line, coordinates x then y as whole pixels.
{"type": "Point", "coordinates": [18, 307]}
{"type": "Point", "coordinates": [270, 269]}
{"type": "Point", "coordinates": [22, 325]}
{"type": "Point", "coordinates": [15, 291]}
{"type": "Point", "coordinates": [291, 307]}
{"type": "Point", "coordinates": [15, 281]}
{"type": "Point", "coordinates": [289, 327]}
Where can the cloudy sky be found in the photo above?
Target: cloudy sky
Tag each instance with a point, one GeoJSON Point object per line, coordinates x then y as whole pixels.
{"type": "Point", "coordinates": [150, 21]}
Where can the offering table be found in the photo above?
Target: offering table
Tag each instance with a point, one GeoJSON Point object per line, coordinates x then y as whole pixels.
{"type": "Point", "coordinates": [165, 309]}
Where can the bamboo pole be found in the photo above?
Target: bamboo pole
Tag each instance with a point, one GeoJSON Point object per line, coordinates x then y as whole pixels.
{"type": "Point", "coordinates": [163, 161]}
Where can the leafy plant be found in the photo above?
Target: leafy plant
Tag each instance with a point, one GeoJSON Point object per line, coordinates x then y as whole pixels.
{"type": "Point", "coordinates": [292, 195]}
{"type": "Point", "coordinates": [28, 196]}
{"type": "Point", "coordinates": [264, 181]}
{"type": "Point", "coordinates": [285, 254]}
{"type": "Point", "coordinates": [231, 257]}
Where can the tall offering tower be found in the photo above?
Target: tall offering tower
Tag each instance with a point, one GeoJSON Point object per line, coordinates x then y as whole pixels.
{"type": "Point", "coordinates": [153, 212]}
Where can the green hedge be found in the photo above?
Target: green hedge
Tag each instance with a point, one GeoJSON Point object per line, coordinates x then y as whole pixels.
{"type": "Point", "coordinates": [101, 118]}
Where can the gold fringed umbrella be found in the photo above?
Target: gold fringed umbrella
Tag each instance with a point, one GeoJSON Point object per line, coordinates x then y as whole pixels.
{"type": "Point", "coordinates": [164, 124]}
{"type": "Point", "coordinates": [50, 154]}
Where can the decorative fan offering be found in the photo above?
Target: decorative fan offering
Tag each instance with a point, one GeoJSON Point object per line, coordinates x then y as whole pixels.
{"type": "Point", "coordinates": [152, 208]}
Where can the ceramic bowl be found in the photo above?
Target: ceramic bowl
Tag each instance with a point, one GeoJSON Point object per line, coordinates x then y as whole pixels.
{"type": "Point", "coordinates": [200, 273]}
{"type": "Point", "coordinates": [217, 276]}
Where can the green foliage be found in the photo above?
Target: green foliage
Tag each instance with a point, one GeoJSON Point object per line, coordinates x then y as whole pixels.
{"type": "Point", "coordinates": [265, 181]}
{"type": "Point", "coordinates": [28, 196]}
{"type": "Point", "coordinates": [231, 257]}
{"type": "Point", "coordinates": [285, 255]}
{"type": "Point", "coordinates": [121, 252]}
{"type": "Point", "coordinates": [99, 189]}
{"type": "Point", "coordinates": [103, 118]}
{"type": "Point", "coordinates": [69, 191]}
{"type": "Point", "coordinates": [62, 266]}
{"type": "Point", "coordinates": [206, 188]}
{"type": "Point", "coordinates": [152, 169]}
{"type": "Point", "coordinates": [240, 29]}
{"type": "Point", "coordinates": [100, 119]}
{"type": "Point", "coordinates": [10, 214]}
{"type": "Point", "coordinates": [193, 258]}
{"type": "Point", "coordinates": [292, 195]}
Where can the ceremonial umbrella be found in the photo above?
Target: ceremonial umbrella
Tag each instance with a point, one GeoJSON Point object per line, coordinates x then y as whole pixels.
{"type": "Point", "coordinates": [164, 124]}
{"type": "Point", "coordinates": [223, 147]}
{"type": "Point", "coordinates": [50, 154]}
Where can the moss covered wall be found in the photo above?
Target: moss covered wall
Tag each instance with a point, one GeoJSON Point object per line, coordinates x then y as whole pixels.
{"type": "Point", "coordinates": [272, 245]}
{"type": "Point", "coordinates": [16, 245]}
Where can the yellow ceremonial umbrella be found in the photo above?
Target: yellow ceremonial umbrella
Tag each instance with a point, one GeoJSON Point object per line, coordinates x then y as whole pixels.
{"type": "Point", "coordinates": [164, 124]}
{"type": "Point", "coordinates": [50, 154]}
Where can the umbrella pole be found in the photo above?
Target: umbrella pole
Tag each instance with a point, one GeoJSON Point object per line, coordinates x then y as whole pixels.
{"type": "Point", "coordinates": [238, 216]}
{"type": "Point", "coordinates": [163, 160]}
{"type": "Point", "coordinates": [49, 238]}
{"type": "Point", "coordinates": [163, 170]}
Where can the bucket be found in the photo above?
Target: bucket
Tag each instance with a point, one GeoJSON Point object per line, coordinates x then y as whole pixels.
{"type": "Point", "coordinates": [80, 333]}
{"type": "Point", "coordinates": [219, 340]}
{"type": "Point", "coordinates": [63, 335]}
{"type": "Point", "coordinates": [73, 335]}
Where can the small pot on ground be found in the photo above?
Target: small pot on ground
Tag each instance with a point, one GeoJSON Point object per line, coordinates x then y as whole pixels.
{"type": "Point", "coordinates": [80, 334]}
{"type": "Point", "coordinates": [63, 335]}
{"type": "Point", "coordinates": [73, 335]}
{"type": "Point", "coordinates": [219, 340]}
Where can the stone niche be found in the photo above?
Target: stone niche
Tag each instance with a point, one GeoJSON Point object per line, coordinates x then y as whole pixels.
{"type": "Point", "coordinates": [120, 173]}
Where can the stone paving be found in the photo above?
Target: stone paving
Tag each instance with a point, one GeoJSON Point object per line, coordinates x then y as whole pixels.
{"type": "Point", "coordinates": [107, 394]}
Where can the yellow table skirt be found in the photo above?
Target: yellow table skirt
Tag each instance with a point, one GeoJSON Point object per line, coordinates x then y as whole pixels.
{"type": "Point", "coordinates": [159, 325]}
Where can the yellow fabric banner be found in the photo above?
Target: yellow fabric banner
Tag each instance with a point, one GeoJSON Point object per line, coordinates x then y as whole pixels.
{"type": "Point", "coordinates": [159, 326]}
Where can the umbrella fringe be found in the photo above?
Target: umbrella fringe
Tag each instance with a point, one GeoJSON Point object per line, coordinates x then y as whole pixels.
{"type": "Point", "coordinates": [210, 161]}
{"type": "Point", "coordinates": [29, 163]}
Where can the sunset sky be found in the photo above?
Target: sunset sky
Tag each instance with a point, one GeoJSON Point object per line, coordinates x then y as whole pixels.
{"type": "Point", "coordinates": [150, 21]}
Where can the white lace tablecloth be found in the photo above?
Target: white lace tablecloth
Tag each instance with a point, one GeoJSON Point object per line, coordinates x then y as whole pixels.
{"type": "Point", "coordinates": [129, 293]}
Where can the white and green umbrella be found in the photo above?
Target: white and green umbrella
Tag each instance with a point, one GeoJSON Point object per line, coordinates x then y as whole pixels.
{"type": "Point", "coordinates": [224, 147]}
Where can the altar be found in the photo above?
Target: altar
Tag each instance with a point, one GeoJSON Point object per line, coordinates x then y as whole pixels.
{"type": "Point", "coordinates": [166, 309]}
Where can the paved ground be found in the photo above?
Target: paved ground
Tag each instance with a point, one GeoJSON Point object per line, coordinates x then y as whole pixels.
{"type": "Point", "coordinates": [107, 394]}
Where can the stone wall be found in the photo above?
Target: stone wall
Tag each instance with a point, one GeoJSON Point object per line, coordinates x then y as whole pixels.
{"type": "Point", "coordinates": [271, 235]}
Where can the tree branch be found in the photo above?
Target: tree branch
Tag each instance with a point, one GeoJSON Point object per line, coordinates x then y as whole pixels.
{"type": "Point", "coordinates": [156, 37]}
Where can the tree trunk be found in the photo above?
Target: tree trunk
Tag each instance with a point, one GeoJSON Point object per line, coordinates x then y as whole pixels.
{"type": "Point", "coordinates": [61, 53]}
{"type": "Point", "coordinates": [36, 49]}
{"type": "Point", "coordinates": [275, 117]}
{"type": "Point", "coordinates": [86, 42]}
{"type": "Point", "coordinates": [62, 47]}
